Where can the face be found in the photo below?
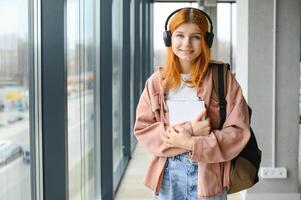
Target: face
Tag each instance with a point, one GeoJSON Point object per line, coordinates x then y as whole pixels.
{"type": "Point", "coordinates": [186, 42]}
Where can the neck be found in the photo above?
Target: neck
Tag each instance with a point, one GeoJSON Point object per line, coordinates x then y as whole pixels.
{"type": "Point", "coordinates": [185, 67]}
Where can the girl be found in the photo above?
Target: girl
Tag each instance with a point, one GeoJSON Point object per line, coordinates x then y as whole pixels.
{"type": "Point", "coordinates": [192, 159]}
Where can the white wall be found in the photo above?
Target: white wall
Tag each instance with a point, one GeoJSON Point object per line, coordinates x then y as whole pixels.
{"type": "Point", "coordinates": [254, 72]}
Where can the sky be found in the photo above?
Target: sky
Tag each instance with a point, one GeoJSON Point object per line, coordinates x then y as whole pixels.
{"type": "Point", "coordinates": [14, 16]}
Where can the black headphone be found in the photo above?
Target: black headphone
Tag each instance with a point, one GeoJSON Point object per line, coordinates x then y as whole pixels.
{"type": "Point", "coordinates": [167, 34]}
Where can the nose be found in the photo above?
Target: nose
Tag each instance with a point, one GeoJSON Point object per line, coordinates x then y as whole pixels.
{"type": "Point", "coordinates": [187, 41]}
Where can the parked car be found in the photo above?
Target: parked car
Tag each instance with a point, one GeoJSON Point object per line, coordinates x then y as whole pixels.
{"type": "Point", "coordinates": [9, 152]}
{"type": "Point", "coordinates": [1, 106]}
{"type": "Point", "coordinates": [26, 156]}
{"type": "Point", "coordinates": [14, 119]}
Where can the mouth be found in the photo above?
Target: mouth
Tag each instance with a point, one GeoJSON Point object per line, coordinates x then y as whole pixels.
{"type": "Point", "coordinates": [186, 51]}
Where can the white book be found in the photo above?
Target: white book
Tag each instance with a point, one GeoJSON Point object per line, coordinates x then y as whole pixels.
{"type": "Point", "coordinates": [182, 111]}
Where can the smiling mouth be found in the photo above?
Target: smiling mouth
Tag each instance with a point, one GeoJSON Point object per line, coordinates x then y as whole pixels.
{"type": "Point", "coordinates": [186, 51]}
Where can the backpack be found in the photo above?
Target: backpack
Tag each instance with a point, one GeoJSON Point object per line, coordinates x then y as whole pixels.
{"type": "Point", "coordinates": [244, 167]}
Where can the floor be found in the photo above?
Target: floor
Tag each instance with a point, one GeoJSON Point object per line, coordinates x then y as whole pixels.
{"type": "Point", "coordinates": [132, 188]}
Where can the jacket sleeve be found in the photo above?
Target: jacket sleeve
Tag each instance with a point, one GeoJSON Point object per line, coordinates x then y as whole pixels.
{"type": "Point", "coordinates": [148, 128]}
{"type": "Point", "coordinates": [225, 144]}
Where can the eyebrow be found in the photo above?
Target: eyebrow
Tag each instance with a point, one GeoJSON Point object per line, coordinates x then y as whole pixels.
{"type": "Point", "coordinates": [190, 34]}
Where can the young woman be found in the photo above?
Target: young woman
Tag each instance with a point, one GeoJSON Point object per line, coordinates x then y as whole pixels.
{"type": "Point", "coordinates": [191, 159]}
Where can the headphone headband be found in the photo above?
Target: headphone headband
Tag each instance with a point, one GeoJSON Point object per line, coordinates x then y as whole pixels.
{"type": "Point", "coordinates": [206, 15]}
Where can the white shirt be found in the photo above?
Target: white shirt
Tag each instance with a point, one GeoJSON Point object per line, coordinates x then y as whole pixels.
{"type": "Point", "coordinates": [184, 92]}
{"type": "Point", "coordinates": [183, 103]}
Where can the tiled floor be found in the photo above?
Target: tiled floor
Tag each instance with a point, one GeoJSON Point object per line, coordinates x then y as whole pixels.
{"type": "Point", "coordinates": [132, 188]}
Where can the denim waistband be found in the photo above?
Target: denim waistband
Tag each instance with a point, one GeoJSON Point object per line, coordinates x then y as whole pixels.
{"type": "Point", "coordinates": [184, 158]}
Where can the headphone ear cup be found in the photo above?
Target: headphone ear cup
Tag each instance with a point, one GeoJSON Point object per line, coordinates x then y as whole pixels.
{"type": "Point", "coordinates": [167, 38]}
{"type": "Point", "coordinates": [209, 38]}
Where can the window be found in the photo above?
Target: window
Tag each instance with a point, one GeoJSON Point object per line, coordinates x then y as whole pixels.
{"type": "Point", "coordinates": [226, 33]}
{"type": "Point", "coordinates": [15, 58]}
{"type": "Point", "coordinates": [82, 63]}
{"type": "Point", "coordinates": [117, 89]}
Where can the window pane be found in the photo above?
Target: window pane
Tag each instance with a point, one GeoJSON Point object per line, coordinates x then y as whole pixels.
{"type": "Point", "coordinates": [233, 35]}
{"type": "Point", "coordinates": [81, 66]}
{"type": "Point", "coordinates": [15, 178]}
{"type": "Point", "coordinates": [223, 31]}
{"type": "Point", "coordinates": [117, 85]}
{"type": "Point", "coordinates": [226, 33]}
{"type": "Point", "coordinates": [132, 73]}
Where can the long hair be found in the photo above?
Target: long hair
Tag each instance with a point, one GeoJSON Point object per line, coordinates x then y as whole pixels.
{"type": "Point", "coordinates": [171, 78]}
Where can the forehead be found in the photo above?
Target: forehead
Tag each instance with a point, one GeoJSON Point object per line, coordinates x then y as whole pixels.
{"type": "Point", "coordinates": [188, 28]}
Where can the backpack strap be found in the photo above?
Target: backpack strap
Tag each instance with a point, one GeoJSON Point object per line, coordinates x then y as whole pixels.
{"type": "Point", "coordinates": [219, 82]}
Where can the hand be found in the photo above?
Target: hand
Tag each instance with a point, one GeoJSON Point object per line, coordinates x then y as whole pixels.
{"type": "Point", "coordinates": [201, 124]}
{"type": "Point", "coordinates": [177, 137]}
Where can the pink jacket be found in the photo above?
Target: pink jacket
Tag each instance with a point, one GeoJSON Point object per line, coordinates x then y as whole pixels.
{"type": "Point", "coordinates": [213, 152]}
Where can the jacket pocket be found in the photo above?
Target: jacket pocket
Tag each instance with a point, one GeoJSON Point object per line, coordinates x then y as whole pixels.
{"type": "Point", "coordinates": [155, 105]}
{"type": "Point", "coordinates": [155, 102]}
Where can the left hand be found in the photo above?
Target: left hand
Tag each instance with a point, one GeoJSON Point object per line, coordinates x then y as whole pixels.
{"type": "Point", "coordinates": [177, 136]}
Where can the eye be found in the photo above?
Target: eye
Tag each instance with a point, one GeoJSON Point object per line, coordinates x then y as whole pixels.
{"type": "Point", "coordinates": [196, 37]}
{"type": "Point", "coordinates": [179, 35]}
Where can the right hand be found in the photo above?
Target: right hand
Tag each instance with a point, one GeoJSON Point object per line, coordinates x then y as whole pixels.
{"type": "Point", "coordinates": [201, 124]}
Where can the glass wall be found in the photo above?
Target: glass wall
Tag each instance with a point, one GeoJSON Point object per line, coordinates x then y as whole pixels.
{"type": "Point", "coordinates": [132, 73]}
{"type": "Point", "coordinates": [117, 39]}
{"type": "Point", "coordinates": [15, 62]}
{"type": "Point", "coordinates": [226, 33]}
{"type": "Point", "coordinates": [82, 63]}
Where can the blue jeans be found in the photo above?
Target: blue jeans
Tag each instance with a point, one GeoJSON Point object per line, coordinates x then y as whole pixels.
{"type": "Point", "coordinates": [180, 180]}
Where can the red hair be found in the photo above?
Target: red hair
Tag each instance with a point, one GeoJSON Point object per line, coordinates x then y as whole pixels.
{"type": "Point", "coordinates": [171, 72]}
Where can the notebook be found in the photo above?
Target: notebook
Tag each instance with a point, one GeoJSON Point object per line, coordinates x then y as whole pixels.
{"type": "Point", "coordinates": [182, 111]}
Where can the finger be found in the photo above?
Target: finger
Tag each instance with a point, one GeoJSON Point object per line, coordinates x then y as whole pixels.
{"type": "Point", "coordinates": [206, 128]}
{"type": "Point", "coordinates": [176, 126]}
{"type": "Point", "coordinates": [173, 130]}
{"type": "Point", "coordinates": [165, 141]}
{"type": "Point", "coordinates": [206, 122]}
{"type": "Point", "coordinates": [201, 115]}
{"type": "Point", "coordinates": [170, 130]}
{"type": "Point", "coordinates": [209, 121]}
{"type": "Point", "coordinates": [168, 144]}
{"type": "Point", "coordinates": [164, 135]}
{"type": "Point", "coordinates": [179, 128]}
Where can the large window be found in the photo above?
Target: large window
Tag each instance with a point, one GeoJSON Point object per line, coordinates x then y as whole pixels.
{"type": "Point", "coordinates": [117, 88]}
{"type": "Point", "coordinates": [15, 59]}
{"type": "Point", "coordinates": [132, 73]}
{"type": "Point", "coordinates": [226, 33]}
{"type": "Point", "coordinates": [82, 63]}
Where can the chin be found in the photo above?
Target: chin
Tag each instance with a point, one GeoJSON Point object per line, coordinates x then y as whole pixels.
{"type": "Point", "coordinates": [186, 59]}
